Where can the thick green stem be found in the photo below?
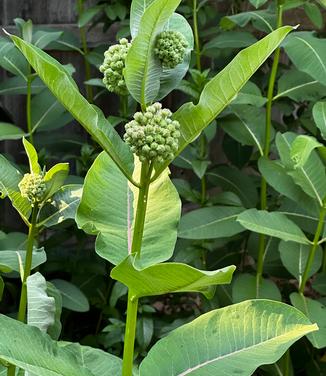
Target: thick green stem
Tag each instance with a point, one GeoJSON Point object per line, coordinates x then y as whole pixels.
{"type": "Point", "coordinates": [313, 249]}
{"type": "Point", "coordinates": [130, 332]}
{"type": "Point", "coordinates": [263, 188]}
{"type": "Point", "coordinates": [28, 105]}
{"type": "Point", "coordinates": [28, 265]}
{"type": "Point", "coordinates": [287, 363]}
{"type": "Point", "coordinates": [196, 35]}
{"type": "Point", "coordinates": [83, 38]}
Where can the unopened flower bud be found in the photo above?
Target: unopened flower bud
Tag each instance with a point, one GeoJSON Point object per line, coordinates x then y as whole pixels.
{"type": "Point", "coordinates": [170, 48]}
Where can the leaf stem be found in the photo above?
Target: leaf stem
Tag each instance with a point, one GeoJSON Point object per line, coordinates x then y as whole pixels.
{"type": "Point", "coordinates": [82, 32]}
{"type": "Point", "coordinates": [28, 104]}
{"type": "Point", "coordinates": [196, 34]}
{"type": "Point", "coordinates": [130, 333]}
{"type": "Point", "coordinates": [263, 188]}
{"type": "Point", "coordinates": [313, 249]}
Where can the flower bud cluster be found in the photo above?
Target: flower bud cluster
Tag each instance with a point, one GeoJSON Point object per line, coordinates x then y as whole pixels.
{"type": "Point", "coordinates": [33, 187]}
{"type": "Point", "coordinates": [170, 48]}
{"type": "Point", "coordinates": [153, 135]}
{"type": "Point", "coordinates": [113, 65]}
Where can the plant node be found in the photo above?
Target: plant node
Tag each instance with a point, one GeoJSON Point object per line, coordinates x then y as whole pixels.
{"type": "Point", "coordinates": [153, 135]}
{"type": "Point", "coordinates": [170, 48]}
{"type": "Point", "coordinates": [113, 65]}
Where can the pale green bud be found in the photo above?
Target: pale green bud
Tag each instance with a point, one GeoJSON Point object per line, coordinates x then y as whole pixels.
{"type": "Point", "coordinates": [170, 48]}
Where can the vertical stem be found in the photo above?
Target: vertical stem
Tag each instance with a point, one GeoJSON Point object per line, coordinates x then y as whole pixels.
{"type": "Point", "coordinates": [287, 363]}
{"type": "Point", "coordinates": [263, 190]}
{"type": "Point", "coordinates": [28, 105]}
{"type": "Point", "coordinates": [124, 105]}
{"type": "Point", "coordinates": [313, 249]}
{"type": "Point", "coordinates": [28, 265]}
{"type": "Point", "coordinates": [323, 268]}
{"type": "Point", "coordinates": [130, 332]}
{"type": "Point", "coordinates": [82, 32]}
{"type": "Point", "coordinates": [196, 35]}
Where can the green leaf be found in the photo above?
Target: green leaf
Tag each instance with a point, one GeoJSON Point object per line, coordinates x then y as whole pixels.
{"type": "Point", "coordinates": [143, 69]}
{"type": "Point", "coordinates": [263, 20]}
{"type": "Point", "coordinates": [40, 307]}
{"type": "Point", "coordinates": [9, 180]}
{"type": "Point", "coordinates": [308, 54]}
{"type": "Point", "coordinates": [2, 287]}
{"type": "Point", "coordinates": [221, 89]}
{"type": "Point", "coordinates": [54, 178]}
{"type": "Point", "coordinates": [55, 329]}
{"type": "Point", "coordinates": [63, 205]}
{"type": "Point", "coordinates": [236, 181]}
{"type": "Point", "coordinates": [258, 3]}
{"type": "Point", "coordinates": [12, 60]}
{"type": "Point", "coordinates": [17, 85]}
{"type": "Point", "coordinates": [250, 94]}
{"type": "Point", "coordinates": [86, 16]}
{"type": "Point", "coordinates": [38, 354]}
{"type": "Point", "coordinates": [32, 157]}
{"type": "Point", "coordinates": [137, 10]}
{"type": "Point", "coordinates": [319, 114]}
{"type": "Point", "coordinates": [42, 39]}
{"type": "Point", "coordinates": [10, 132]}
{"type": "Point", "coordinates": [294, 257]}
{"type": "Point", "coordinates": [231, 39]}
{"type": "Point", "coordinates": [56, 77]}
{"type": "Point", "coordinates": [210, 223]}
{"type": "Point", "coordinates": [299, 87]}
{"type": "Point", "coordinates": [15, 260]}
{"type": "Point", "coordinates": [302, 148]}
{"type": "Point", "coordinates": [170, 277]}
{"type": "Point", "coordinates": [223, 341]}
{"type": "Point", "coordinates": [72, 297]}
{"type": "Point", "coordinates": [244, 287]}
{"type": "Point", "coordinates": [272, 224]}
{"type": "Point", "coordinates": [319, 283]}
{"type": "Point", "coordinates": [315, 311]}
{"type": "Point", "coordinates": [111, 216]}
{"type": "Point", "coordinates": [313, 12]}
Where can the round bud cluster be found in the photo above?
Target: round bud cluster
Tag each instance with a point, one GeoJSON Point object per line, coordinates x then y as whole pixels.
{"type": "Point", "coordinates": [113, 65]}
{"type": "Point", "coordinates": [153, 135]}
{"type": "Point", "coordinates": [170, 48]}
{"type": "Point", "coordinates": [33, 187]}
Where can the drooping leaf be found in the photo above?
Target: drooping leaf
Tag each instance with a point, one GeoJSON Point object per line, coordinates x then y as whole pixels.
{"type": "Point", "coordinates": [263, 20]}
{"type": "Point", "coordinates": [169, 277]}
{"type": "Point", "coordinates": [319, 283]}
{"type": "Point", "coordinates": [221, 89]}
{"type": "Point", "coordinates": [42, 38]}
{"type": "Point", "coordinates": [250, 94]}
{"type": "Point", "coordinates": [244, 288]}
{"type": "Point", "coordinates": [319, 114]}
{"type": "Point", "coordinates": [72, 297]}
{"type": "Point", "coordinates": [308, 54]}
{"type": "Point", "coordinates": [294, 257]}
{"type": "Point", "coordinates": [313, 12]}
{"type": "Point", "coordinates": [12, 60]}
{"type": "Point", "coordinates": [54, 178]}
{"type": "Point", "coordinates": [59, 81]}
{"type": "Point", "coordinates": [10, 131]}
{"type": "Point", "coordinates": [210, 223]}
{"type": "Point", "coordinates": [231, 39]}
{"type": "Point", "coordinates": [143, 69]}
{"type": "Point", "coordinates": [315, 311]}
{"type": "Point", "coordinates": [272, 224]}
{"type": "Point", "coordinates": [15, 260]}
{"type": "Point", "coordinates": [302, 148]}
{"type": "Point", "coordinates": [223, 341]}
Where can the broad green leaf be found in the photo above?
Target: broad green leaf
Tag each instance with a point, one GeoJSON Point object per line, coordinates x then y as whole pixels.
{"type": "Point", "coordinates": [276, 176]}
{"type": "Point", "coordinates": [42, 39]}
{"type": "Point", "coordinates": [88, 14]}
{"type": "Point", "coordinates": [171, 78]}
{"type": "Point", "coordinates": [258, 3]}
{"type": "Point", "coordinates": [236, 181]}
{"type": "Point", "coordinates": [244, 287]}
{"type": "Point", "coordinates": [38, 354]}
{"type": "Point", "coordinates": [12, 60]}
{"type": "Point", "coordinates": [63, 205]}
{"type": "Point", "coordinates": [250, 94]}
{"type": "Point", "coordinates": [137, 10]}
{"type": "Point", "coordinates": [40, 307]}
{"type": "Point", "coordinates": [169, 277]}
{"type": "Point", "coordinates": [299, 86]}
{"type": "Point", "coordinates": [143, 69]}
{"type": "Point", "coordinates": [111, 216]}
{"type": "Point", "coordinates": [17, 85]}
{"type": "Point", "coordinates": [210, 223]}
{"type": "Point", "coordinates": [244, 125]}
{"type": "Point", "coordinates": [319, 114]}
{"type": "Point", "coordinates": [308, 54]}
{"type": "Point", "coordinates": [224, 341]}
{"type": "Point", "coordinates": [272, 224]}
{"type": "Point", "coordinates": [301, 149]}
{"type": "Point", "coordinates": [15, 260]}
{"type": "Point", "coordinates": [72, 297]}
{"type": "Point", "coordinates": [221, 89]}
{"type": "Point", "coordinates": [54, 330]}
{"type": "Point", "coordinates": [10, 132]}
{"type": "Point", "coordinates": [32, 156]}
{"type": "Point", "coordinates": [315, 311]}
{"type": "Point", "coordinates": [294, 257]}
{"type": "Point", "coordinates": [319, 283]}
{"type": "Point", "coordinates": [263, 20]}
{"type": "Point", "coordinates": [54, 178]}
{"type": "Point", "coordinates": [56, 77]}
{"type": "Point", "coordinates": [13, 241]}
{"type": "Point", "coordinates": [313, 12]}
{"type": "Point", "coordinates": [230, 39]}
